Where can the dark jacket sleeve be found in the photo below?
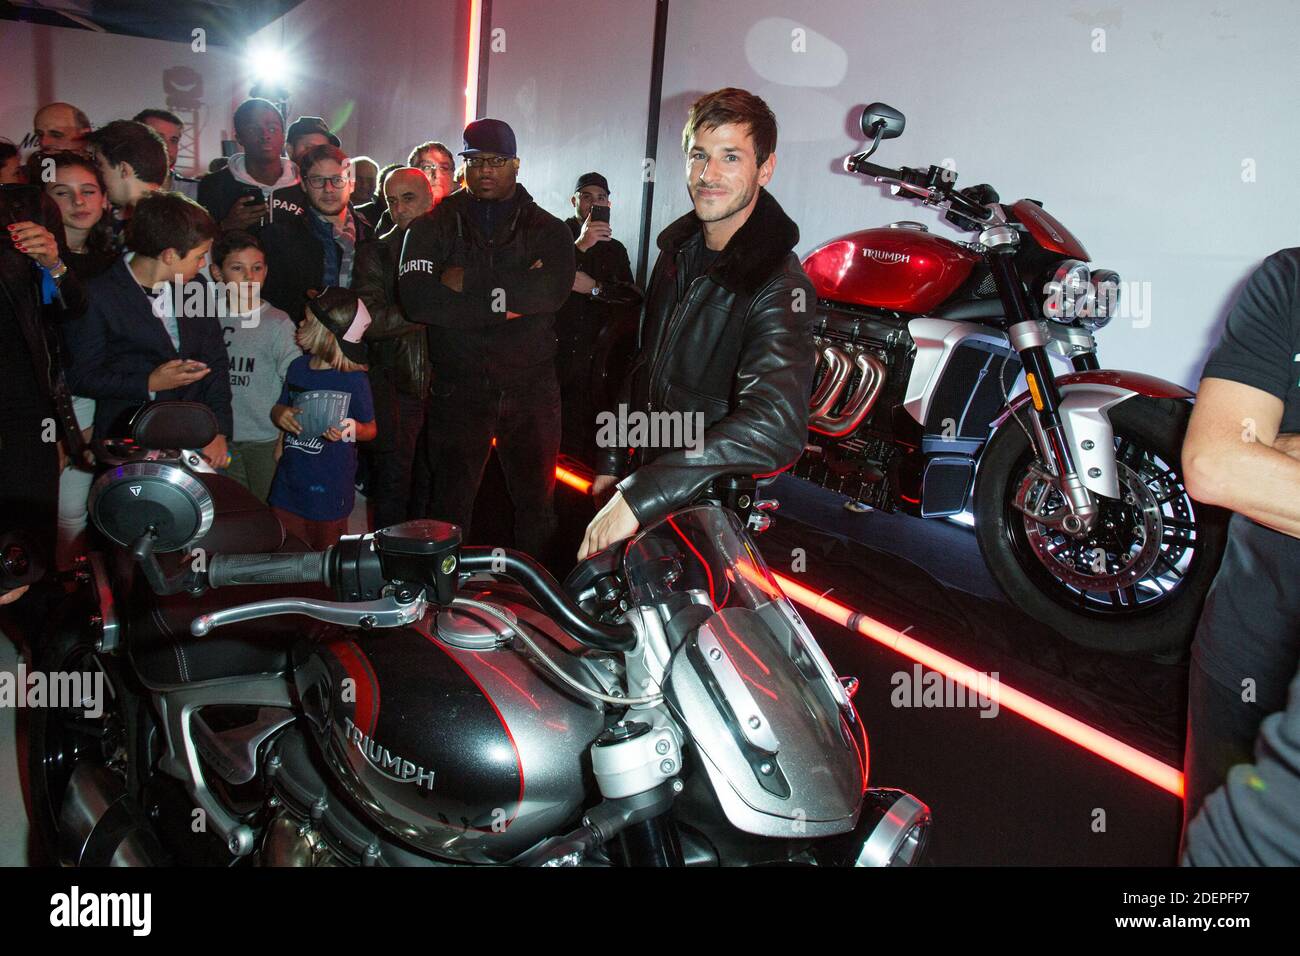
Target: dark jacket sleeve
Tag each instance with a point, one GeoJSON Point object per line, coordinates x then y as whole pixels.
{"type": "Point", "coordinates": [372, 284]}
{"type": "Point", "coordinates": [528, 291]}
{"type": "Point", "coordinates": [768, 426]}
{"type": "Point", "coordinates": [216, 384]}
{"type": "Point", "coordinates": [90, 371]}
{"type": "Point", "coordinates": [213, 196]}
{"type": "Point", "coordinates": [419, 278]}
{"type": "Point", "coordinates": [294, 264]}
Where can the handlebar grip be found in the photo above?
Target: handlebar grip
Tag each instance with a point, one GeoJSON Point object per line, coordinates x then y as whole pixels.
{"type": "Point", "coordinates": [302, 567]}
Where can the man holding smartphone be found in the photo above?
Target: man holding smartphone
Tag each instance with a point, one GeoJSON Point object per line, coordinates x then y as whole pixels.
{"type": "Point", "coordinates": [602, 289]}
{"type": "Point", "coordinates": [243, 195]}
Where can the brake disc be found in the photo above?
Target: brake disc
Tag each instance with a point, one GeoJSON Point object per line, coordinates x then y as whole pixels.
{"type": "Point", "coordinates": [1096, 561]}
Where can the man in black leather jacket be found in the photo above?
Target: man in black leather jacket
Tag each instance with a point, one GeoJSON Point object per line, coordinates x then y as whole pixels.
{"type": "Point", "coordinates": [399, 356]}
{"type": "Point", "coordinates": [726, 334]}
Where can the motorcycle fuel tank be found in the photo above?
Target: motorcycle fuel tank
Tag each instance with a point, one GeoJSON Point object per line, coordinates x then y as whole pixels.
{"type": "Point", "coordinates": [901, 268]}
{"type": "Point", "coordinates": [448, 734]}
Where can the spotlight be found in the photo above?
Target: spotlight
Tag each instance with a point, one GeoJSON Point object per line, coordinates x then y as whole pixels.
{"type": "Point", "coordinates": [268, 64]}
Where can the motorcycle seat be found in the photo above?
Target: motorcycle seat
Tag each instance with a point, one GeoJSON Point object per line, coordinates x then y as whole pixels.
{"type": "Point", "coordinates": [166, 655]}
{"type": "Point", "coordinates": [241, 521]}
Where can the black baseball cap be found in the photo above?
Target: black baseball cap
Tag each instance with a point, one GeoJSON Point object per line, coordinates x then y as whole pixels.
{"type": "Point", "coordinates": [343, 313]}
{"type": "Point", "coordinates": [591, 179]}
{"type": "Point", "coordinates": [310, 124]}
{"type": "Point", "coordinates": [489, 136]}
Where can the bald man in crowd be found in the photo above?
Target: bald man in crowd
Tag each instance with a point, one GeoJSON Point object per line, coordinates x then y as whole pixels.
{"type": "Point", "coordinates": [60, 126]}
{"type": "Point", "coordinates": [399, 363]}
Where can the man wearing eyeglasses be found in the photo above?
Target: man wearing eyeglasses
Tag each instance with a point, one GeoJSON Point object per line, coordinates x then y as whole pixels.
{"type": "Point", "coordinates": [486, 271]}
{"type": "Point", "coordinates": [315, 250]}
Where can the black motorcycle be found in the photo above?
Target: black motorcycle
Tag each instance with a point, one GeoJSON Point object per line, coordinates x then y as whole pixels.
{"type": "Point", "coordinates": [400, 699]}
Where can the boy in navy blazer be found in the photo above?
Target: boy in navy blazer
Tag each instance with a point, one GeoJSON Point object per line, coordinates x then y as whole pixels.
{"type": "Point", "coordinates": [147, 333]}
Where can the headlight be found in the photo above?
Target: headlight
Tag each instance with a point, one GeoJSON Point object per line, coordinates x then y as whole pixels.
{"type": "Point", "coordinates": [893, 829]}
{"type": "Point", "coordinates": [1103, 300]}
{"type": "Point", "coordinates": [1066, 292]}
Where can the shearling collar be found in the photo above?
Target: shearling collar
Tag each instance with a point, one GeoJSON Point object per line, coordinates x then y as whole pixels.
{"type": "Point", "coordinates": [754, 252]}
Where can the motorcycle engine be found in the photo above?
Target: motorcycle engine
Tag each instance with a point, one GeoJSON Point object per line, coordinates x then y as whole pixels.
{"type": "Point", "coordinates": [863, 359]}
{"type": "Point", "coordinates": [309, 825]}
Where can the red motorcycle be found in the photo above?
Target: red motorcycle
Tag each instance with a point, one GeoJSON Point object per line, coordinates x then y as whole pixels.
{"type": "Point", "coordinates": [1075, 483]}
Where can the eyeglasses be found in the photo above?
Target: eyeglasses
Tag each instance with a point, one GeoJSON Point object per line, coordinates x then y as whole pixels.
{"type": "Point", "coordinates": [318, 182]}
{"type": "Point", "coordinates": [427, 168]}
{"type": "Point", "coordinates": [492, 162]}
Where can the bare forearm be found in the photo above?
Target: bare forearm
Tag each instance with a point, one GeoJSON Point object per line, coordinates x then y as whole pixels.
{"type": "Point", "coordinates": [1254, 479]}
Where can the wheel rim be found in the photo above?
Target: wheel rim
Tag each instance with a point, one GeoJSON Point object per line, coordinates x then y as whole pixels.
{"type": "Point", "coordinates": [69, 737]}
{"type": "Point", "coordinates": [1138, 553]}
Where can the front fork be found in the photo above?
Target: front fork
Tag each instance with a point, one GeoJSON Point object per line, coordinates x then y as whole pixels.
{"type": "Point", "coordinates": [1029, 339]}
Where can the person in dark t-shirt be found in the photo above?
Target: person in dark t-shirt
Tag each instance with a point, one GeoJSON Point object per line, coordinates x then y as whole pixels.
{"type": "Point", "coordinates": [1242, 452]}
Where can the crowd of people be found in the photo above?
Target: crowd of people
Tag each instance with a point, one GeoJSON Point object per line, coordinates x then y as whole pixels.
{"type": "Point", "coordinates": [429, 311]}
{"type": "Point", "coordinates": [297, 246]}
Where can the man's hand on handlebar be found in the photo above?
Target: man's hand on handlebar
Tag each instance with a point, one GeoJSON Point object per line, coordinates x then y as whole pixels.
{"type": "Point", "coordinates": [613, 523]}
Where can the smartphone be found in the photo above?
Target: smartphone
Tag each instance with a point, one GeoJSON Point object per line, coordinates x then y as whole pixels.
{"type": "Point", "coordinates": [253, 193]}
{"type": "Point", "coordinates": [600, 214]}
{"type": "Point", "coordinates": [20, 202]}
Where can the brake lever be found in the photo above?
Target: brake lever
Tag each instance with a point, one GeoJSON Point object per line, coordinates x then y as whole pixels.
{"type": "Point", "coordinates": [367, 615]}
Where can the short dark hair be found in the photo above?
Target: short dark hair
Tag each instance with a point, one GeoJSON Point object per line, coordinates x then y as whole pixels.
{"type": "Point", "coordinates": [164, 220]}
{"type": "Point", "coordinates": [7, 150]}
{"type": "Point", "coordinates": [232, 241]}
{"type": "Point", "coordinates": [318, 154]}
{"type": "Point", "coordinates": [167, 116]}
{"type": "Point", "coordinates": [732, 105]}
{"type": "Point", "coordinates": [414, 158]}
{"type": "Point", "coordinates": [246, 109]}
{"type": "Point", "coordinates": [126, 141]}
{"type": "Point", "coordinates": [385, 173]}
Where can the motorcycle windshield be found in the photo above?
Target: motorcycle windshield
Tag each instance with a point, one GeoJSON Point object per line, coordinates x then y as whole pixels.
{"type": "Point", "coordinates": [761, 703]}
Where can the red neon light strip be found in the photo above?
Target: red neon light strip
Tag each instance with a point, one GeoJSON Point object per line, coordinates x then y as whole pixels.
{"type": "Point", "coordinates": [1073, 730]}
{"type": "Point", "coordinates": [572, 479]}
{"type": "Point", "coordinates": [471, 60]}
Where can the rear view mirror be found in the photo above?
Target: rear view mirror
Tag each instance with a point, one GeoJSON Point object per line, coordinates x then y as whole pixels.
{"type": "Point", "coordinates": [881, 121]}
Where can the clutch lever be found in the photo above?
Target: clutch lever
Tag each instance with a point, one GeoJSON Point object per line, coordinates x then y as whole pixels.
{"type": "Point", "coordinates": [390, 611]}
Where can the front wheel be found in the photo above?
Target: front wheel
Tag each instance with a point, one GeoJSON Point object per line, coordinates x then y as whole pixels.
{"type": "Point", "coordinates": [1135, 582]}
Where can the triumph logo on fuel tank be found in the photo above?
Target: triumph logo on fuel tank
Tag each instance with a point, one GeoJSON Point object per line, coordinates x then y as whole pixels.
{"type": "Point", "coordinates": [891, 258]}
{"type": "Point", "coordinates": [385, 761]}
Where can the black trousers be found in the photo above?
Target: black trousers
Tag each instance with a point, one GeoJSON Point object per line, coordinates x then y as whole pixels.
{"type": "Point", "coordinates": [400, 419]}
{"type": "Point", "coordinates": [524, 418]}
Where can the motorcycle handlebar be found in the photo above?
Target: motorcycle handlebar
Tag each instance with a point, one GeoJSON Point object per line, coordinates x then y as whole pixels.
{"type": "Point", "coordinates": [303, 567]}
{"type": "Point", "coordinates": [314, 567]}
{"type": "Point", "coordinates": [554, 601]}
{"type": "Point", "coordinates": [934, 181]}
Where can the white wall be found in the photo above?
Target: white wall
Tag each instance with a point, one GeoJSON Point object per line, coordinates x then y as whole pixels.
{"type": "Point", "coordinates": [572, 78]}
{"type": "Point", "coordinates": [386, 74]}
{"type": "Point", "coordinates": [1138, 150]}
{"type": "Point", "coordinates": [109, 77]}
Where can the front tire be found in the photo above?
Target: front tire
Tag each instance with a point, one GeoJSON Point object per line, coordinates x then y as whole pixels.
{"type": "Point", "coordinates": [1133, 586]}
